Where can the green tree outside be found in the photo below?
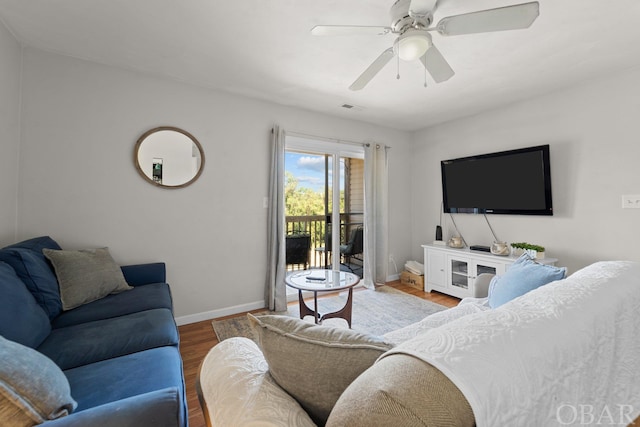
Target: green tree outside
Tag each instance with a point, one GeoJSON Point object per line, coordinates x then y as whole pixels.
{"type": "Point", "coordinates": [304, 201]}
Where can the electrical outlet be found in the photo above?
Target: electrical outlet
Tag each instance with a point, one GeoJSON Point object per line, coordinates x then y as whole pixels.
{"type": "Point", "coordinates": [631, 201]}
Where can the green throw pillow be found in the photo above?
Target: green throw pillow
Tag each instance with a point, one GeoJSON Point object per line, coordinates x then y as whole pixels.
{"type": "Point", "coordinates": [33, 389]}
{"type": "Point", "coordinates": [85, 275]}
{"type": "Point", "coordinates": [314, 363]}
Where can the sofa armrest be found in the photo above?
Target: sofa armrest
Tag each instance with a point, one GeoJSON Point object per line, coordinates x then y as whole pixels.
{"type": "Point", "coordinates": [401, 390]}
{"type": "Point", "coordinates": [144, 274]}
{"type": "Point", "coordinates": [159, 408]}
{"type": "Point", "coordinates": [235, 389]}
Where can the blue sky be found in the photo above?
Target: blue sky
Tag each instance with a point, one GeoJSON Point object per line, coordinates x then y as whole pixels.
{"type": "Point", "coordinates": [308, 168]}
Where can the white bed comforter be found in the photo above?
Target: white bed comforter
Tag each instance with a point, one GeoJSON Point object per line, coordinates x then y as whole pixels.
{"type": "Point", "coordinates": [567, 353]}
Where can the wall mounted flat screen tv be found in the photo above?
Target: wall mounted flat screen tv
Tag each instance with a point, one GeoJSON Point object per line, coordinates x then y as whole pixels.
{"type": "Point", "coordinates": [516, 182]}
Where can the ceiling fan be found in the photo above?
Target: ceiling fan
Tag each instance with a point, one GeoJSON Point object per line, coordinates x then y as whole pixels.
{"type": "Point", "coordinates": [411, 20]}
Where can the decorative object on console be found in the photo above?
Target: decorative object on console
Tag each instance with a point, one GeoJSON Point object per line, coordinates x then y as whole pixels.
{"type": "Point", "coordinates": [534, 251]}
{"type": "Point", "coordinates": [500, 248]}
{"type": "Point", "coordinates": [456, 242]}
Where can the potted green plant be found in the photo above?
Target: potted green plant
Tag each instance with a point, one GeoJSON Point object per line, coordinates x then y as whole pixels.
{"type": "Point", "coordinates": [534, 251]}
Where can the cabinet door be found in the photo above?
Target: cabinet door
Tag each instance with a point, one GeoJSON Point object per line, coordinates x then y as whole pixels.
{"type": "Point", "coordinates": [458, 280]}
{"type": "Point", "coordinates": [436, 273]}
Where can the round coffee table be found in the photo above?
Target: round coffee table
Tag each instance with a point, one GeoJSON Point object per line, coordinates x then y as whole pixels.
{"type": "Point", "coordinates": [323, 281]}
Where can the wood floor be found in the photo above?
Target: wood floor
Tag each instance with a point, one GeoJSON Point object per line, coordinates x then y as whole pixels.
{"type": "Point", "coordinates": [196, 339]}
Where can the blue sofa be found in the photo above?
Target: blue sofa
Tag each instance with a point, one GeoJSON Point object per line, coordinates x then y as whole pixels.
{"type": "Point", "coordinates": [119, 353]}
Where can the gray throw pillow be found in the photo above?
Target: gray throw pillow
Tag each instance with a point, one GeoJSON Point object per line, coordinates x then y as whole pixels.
{"type": "Point", "coordinates": [33, 389]}
{"type": "Point", "coordinates": [85, 275]}
{"type": "Point", "coordinates": [314, 363]}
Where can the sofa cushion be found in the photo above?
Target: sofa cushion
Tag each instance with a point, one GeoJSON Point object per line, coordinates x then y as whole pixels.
{"type": "Point", "coordinates": [91, 342]}
{"type": "Point", "coordinates": [314, 363]}
{"type": "Point", "coordinates": [140, 298]}
{"type": "Point", "coordinates": [36, 273]}
{"type": "Point", "coordinates": [129, 375]}
{"type": "Point", "coordinates": [85, 275]}
{"type": "Point", "coordinates": [32, 388]}
{"type": "Point", "coordinates": [21, 319]}
{"type": "Point", "coordinates": [401, 390]}
{"type": "Point", "coordinates": [523, 276]}
{"type": "Point", "coordinates": [160, 408]}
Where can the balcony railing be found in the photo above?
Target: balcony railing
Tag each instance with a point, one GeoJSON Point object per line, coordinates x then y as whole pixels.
{"type": "Point", "coordinates": [315, 226]}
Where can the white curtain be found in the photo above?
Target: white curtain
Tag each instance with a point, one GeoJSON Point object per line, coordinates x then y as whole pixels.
{"type": "Point", "coordinates": [376, 228]}
{"type": "Point", "coordinates": [276, 294]}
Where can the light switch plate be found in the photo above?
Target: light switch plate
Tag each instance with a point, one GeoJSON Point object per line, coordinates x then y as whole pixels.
{"type": "Point", "coordinates": [631, 201]}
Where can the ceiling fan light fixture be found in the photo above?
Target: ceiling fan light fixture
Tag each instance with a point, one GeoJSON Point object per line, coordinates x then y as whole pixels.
{"type": "Point", "coordinates": [412, 44]}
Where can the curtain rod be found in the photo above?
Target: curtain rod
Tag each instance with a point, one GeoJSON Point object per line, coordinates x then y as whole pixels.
{"type": "Point", "coordinates": [322, 138]}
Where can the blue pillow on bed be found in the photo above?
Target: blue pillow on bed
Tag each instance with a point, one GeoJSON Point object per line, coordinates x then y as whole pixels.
{"type": "Point", "coordinates": [523, 276]}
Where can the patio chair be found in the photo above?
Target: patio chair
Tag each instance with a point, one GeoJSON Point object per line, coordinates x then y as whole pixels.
{"type": "Point", "coordinates": [353, 248]}
{"type": "Point", "coordinates": [297, 249]}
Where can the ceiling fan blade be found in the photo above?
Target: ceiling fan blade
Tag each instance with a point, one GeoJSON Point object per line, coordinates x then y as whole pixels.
{"type": "Point", "coordinates": [373, 69]}
{"type": "Point", "coordinates": [421, 7]}
{"type": "Point", "coordinates": [500, 19]}
{"type": "Point", "coordinates": [436, 65]}
{"type": "Point", "coordinates": [349, 30]}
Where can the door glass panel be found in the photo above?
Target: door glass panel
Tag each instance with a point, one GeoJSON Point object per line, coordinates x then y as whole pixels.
{"type": "Point", "coordinates": [459, 274]}
{"type": "Point", "coordinates": [309, 201]}
{"type": "Point", "coordinates": [485, 269]}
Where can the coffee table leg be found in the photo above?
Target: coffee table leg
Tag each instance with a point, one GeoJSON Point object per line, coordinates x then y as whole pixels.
{"type": "Point", "coordinates": [305, 310]}
{"type": "Point", "coordinates": [345, 312]}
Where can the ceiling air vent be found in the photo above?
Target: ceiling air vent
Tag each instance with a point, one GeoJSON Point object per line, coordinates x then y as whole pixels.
{"type": "Point", "coordinates": [351, 107]}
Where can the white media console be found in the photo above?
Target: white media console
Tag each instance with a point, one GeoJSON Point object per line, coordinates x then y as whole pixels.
{"type": "Point", "coordinates": [453, 271]}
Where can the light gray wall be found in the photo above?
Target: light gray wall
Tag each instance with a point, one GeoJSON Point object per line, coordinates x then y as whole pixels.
{"type": "Point", "coordinates": [595, 152]}
{"type": "Point", "coordinates": [79, 185]}
{"type": "Point", "coordinates": [10, 62]}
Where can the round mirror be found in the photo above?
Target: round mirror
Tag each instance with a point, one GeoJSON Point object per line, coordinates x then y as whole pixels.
{"type": "Point", "coordinates": [169, 157]}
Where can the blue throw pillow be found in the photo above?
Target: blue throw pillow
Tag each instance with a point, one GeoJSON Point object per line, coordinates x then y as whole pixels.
{"type": "Point", "coordinates": [36, 273]}
{"type": "Point", "coordinates": [21, 319]}
{"type": "Point", "coordinates": [28, 261]}
{"type": "Point", "coordinates": [36, 244]}
{"type": "Point", "coordinates": [523, 276]}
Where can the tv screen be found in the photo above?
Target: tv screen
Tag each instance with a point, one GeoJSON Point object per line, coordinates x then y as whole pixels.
{"type": "Point", "coordinates": [509, 182]}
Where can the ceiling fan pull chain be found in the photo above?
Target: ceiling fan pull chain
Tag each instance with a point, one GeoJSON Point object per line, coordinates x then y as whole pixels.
{"type": "Point", "coordinates": [425, 77]}
{"type": "Point", "coordinates": [398, 64]}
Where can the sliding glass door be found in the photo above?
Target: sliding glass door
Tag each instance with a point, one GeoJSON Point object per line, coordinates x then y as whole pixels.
{"type": "Point", "coordinates": [321, 175]}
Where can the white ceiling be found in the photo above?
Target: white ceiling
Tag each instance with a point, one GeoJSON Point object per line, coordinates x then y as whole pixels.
{"type": "Point", "coordinates": [263, 49]}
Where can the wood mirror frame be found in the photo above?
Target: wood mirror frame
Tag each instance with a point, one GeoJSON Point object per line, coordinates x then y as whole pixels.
{"type": "Point", "coordinates": [171, 141]}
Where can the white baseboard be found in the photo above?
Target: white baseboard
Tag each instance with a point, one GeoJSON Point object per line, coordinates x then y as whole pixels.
{"type": "Point", "coordinates": [227, 311]}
